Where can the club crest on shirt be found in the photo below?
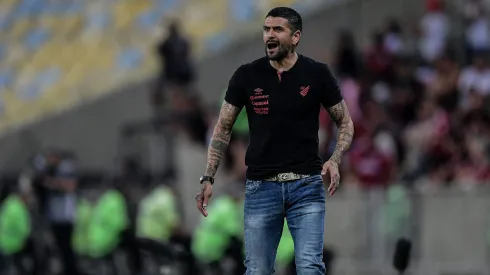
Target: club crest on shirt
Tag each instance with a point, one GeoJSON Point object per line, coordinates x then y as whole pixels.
{"type": "Point", "coordinates": [304, 90]}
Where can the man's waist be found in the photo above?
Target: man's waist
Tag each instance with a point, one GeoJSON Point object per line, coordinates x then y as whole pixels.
{"type": "Point", "coordinates": [289, 176]}
{"type": "Point", "coordinates": [309, 167]}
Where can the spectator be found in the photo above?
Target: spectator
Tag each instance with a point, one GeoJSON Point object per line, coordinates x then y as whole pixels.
{"type": "Point", "coordinates": [224, 228]}
{"type": "Point", "coordinates": [347, 60]}
{"type": "Point", "coordinates": [474, 166]}
{"type": "Point", "coordinates": [440, 159]}
{"type": "Point", "coordinates": [393, 38]}
{"type": "Point", "coordinates": [175, 57]}
{"type": "Point", "coordinates": [434, 31]}
{"type": "Point", "coordinates": [407, 93]}
{"type": "Point", "coordinates": [57, 182]}
{"type": "Point", "coordinates": [431, 125]}
{"type": "Point", "coordinates": [191, 118]}
{"type": "Point", "coordinates": [370, 165]}
{"type": "Point", "coordinates": [158, 217]}
{"type": "Point", "coordinates": [379, 60]}
{"type": "Point", "coordinates": [15, 232]}
{"type": "Point", "coordinates": [477, 31]}
{"type": "Point", "coordinates": [475, 78]}
{"type": "Point", "coordinates": [175, 79]}
{"type": "Point", "coordinates": [442, 87]}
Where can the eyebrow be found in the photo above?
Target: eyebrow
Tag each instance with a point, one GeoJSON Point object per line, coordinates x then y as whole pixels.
{"type": "Point", "coordinates": [277, 26]}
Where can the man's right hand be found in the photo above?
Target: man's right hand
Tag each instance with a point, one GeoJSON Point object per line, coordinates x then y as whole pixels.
{"type": "Point", "coordinates": [203, 196]}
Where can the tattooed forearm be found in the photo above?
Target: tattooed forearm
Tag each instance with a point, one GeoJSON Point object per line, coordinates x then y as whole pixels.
{"type": "Point", "coordinates": [221, 137]}
{"type": "Point", "coordinates": [340, 114]}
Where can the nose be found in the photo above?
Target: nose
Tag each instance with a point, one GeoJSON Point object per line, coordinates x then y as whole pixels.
{"type": "Point", "coordinates": [270, 34]}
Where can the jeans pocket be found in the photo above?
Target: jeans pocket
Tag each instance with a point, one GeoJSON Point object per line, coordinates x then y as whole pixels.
{"type": "Point", "coordinates": [314, 179]}
{"type": "Point", "coordinates": [251, 186]}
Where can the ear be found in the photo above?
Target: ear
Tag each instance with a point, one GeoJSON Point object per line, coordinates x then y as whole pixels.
{"type": "Point", "coordinates": [296, 37]}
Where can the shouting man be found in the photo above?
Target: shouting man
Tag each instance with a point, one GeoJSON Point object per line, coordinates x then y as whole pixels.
{"type": "Point", "coordinates": [282, 93]}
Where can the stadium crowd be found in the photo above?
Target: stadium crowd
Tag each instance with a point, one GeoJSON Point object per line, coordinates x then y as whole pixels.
{"type": "Point", "coordinates": [421, 110]}
{"type": "Point", "coordinates": [422, 115]}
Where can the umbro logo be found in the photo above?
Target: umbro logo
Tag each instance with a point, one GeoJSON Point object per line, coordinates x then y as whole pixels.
{"type": "Point", "coordinates": [258, 91]}
{"type": "Point", "coordinates": [304, 90]}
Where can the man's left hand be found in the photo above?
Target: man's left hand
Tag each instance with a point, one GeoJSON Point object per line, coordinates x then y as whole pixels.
{"type": "Point", "coordinates": [330, 173]}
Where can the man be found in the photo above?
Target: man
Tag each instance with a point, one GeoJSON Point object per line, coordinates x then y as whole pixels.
{"type": "Point", "coordinates": [58, 181]}
{"type": "Point", "coordinates": [175, 53]}
{"type": "Point", "coordinates": [15, 231]}
{"type": "Point", "coordinates": [282, 93]}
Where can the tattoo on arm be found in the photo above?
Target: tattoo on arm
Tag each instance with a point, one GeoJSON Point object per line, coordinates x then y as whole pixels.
{"type": "Point", "coordinates": [341, 116]}
{"type": "Point", "coordinates": [221, 137]}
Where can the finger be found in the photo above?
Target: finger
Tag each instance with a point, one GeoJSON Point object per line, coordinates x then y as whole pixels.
{"type": "Point", "coordinates": [333, 178]}
{"type": "Point", "coordinates": [199, 200]}
{"type": "Point", "coordinates": [203, 211]}
{"type": "Point", "coordinates": [200, 204]}
{"type": "Point", "coordinates": [336, 184]}
{"type": "Point", "coordinates": [202, 207]}
{"type": "Point", "coordinates": [205, 201]}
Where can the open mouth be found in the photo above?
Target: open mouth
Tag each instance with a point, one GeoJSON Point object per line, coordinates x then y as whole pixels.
{"type": "Point", "coordinates": [272, 45]}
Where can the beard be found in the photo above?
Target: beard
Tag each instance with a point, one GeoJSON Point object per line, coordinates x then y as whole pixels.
{"type": "Point", "coordinates": [281, 52]}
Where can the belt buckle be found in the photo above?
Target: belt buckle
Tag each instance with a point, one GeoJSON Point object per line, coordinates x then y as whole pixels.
{"type": "Point", "coordinates": [284, 177]}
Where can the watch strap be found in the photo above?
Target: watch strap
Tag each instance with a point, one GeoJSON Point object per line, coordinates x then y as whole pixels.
{"type": "Point", "coordinates": [207, 178]}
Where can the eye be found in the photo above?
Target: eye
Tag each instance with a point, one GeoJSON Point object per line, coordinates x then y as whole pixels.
{"type": "Point", "coordinates": [278, 29]}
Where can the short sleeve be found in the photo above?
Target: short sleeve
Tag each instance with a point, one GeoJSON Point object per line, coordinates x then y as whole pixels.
{"type": "Point", "coordinates": [330, 94]}
{"type": "Point", "coordinates": [235, 94]}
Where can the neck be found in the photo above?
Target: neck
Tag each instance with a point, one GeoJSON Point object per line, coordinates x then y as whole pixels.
{"type": "Point", "coordinates": [286, 63]}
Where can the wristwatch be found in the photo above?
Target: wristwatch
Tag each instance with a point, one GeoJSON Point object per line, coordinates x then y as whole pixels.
{"type": "Point", "coordinates": [206, 178]}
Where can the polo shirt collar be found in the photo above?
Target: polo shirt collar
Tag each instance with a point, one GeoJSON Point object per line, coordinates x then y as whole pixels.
{"type": "Point", "coordinates": [293, 69]}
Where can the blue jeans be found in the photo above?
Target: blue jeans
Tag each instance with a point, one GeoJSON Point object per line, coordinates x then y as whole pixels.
{"type": "Point", "coordinates": [302, 202]}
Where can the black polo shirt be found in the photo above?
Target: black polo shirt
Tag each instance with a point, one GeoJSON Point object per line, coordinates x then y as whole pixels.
{"type": "Point", "coordinates": [283, 114]}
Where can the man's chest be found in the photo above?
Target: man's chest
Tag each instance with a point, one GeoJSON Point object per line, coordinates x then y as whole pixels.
{"type": "Point", "coordinates": [283, 98]}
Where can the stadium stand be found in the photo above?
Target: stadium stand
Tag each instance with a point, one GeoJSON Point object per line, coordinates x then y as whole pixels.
{"type": "Point", "coordinates": [56, 54]}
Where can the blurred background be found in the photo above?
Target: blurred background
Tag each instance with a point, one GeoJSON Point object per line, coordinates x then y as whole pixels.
{"type": "Point", "coordinates": [106, 109]}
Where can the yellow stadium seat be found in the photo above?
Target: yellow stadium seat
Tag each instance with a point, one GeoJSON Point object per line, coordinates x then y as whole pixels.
{"type": "Point", "coordinates": [72, 24]}
{"type": "Point", "coordinates": [72, 77]}
{"type": "Point", "coordinates": [278, 3]}
{"type": "Point", "coordinates": [125, 12]}
{"type": "Point", "coordinates": [49, 22]}
{"type": "Point", "coordinates": [202, 24]}
{"type": "Point", "coordinates": [20, 28]}
{"type": "Point", "coordinates": [8, 4]}
{"type": "Point", "coordinates": [55, 99]}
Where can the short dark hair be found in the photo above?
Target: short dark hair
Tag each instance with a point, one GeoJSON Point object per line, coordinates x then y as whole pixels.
{"type": "Point", "coordinates": [289, 14]}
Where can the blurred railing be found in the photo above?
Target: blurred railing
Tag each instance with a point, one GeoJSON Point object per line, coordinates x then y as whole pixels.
{"type": "Point", "coordinates": [449, 230]}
